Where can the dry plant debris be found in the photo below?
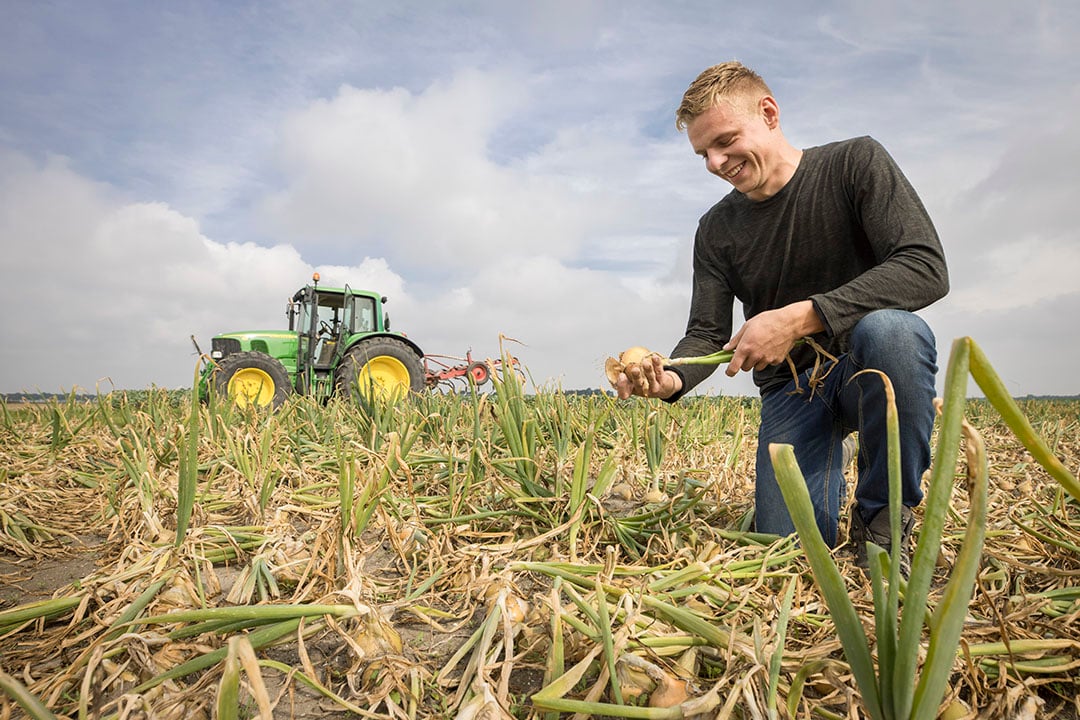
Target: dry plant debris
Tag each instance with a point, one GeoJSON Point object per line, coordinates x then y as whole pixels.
{"type": "Point", "coordinates": [460, 555]}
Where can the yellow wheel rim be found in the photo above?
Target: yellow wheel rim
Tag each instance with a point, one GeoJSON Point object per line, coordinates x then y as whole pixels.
{"type": "Point", "coordinates": [384, 376]}
{"type": "Point", "coordinates": [251, 386]}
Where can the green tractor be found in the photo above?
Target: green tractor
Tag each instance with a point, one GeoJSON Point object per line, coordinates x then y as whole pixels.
{"type": "Point", "coordinates": [338, 342]}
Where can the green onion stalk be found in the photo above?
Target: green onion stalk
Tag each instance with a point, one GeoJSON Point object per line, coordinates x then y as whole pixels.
{"type": "Point", "coordinates": [716, 358]}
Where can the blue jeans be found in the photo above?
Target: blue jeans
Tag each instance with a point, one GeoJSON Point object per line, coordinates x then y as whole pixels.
{"type": "Point", "coordinates": [901, 345]}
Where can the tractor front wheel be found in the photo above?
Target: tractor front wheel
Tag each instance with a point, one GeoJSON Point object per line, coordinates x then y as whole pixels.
{"type": "Point", "coordinates": [252, 378]}
{"type": "Point", "coordinates": [380, 367]}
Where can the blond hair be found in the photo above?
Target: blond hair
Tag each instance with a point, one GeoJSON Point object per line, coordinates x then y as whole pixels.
{"type": "Point", "coordinates": [731, 82]}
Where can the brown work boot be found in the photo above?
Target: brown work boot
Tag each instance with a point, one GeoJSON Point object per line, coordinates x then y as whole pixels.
{"type": "Point", "coordinates": [878, 532]}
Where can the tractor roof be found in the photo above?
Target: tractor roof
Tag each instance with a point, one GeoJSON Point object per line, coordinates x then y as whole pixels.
{"type": "Point", "coordinates": [323, 290]}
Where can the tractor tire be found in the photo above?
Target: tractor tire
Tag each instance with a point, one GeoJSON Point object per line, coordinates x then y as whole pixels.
{"type": "Point", "coordinates": [252, 378]}
{"type": "Point", "coordinates": [479, 372]}
{"type": "Point", "coordinates": [382, 367]}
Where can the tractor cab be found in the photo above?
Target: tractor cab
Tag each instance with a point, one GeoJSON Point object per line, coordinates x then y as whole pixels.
{"type": "Point", "coordinates": [330, 322]}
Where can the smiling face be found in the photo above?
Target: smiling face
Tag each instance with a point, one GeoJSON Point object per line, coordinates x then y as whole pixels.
{"type": "Point", "coordinates": [741, 142]}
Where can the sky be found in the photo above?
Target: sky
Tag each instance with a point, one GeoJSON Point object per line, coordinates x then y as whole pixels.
{"type": "Point", "coordinates": [497, 170]}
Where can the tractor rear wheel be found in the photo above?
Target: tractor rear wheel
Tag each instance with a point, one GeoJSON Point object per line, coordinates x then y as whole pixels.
{"type": "Point", "coordinates": [252, 378]}
{"type": "Point", "coordinates": [380, 367]}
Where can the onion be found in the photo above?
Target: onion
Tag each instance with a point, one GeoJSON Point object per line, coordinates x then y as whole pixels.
{"type": "Point", "coordinates": [629, 357]}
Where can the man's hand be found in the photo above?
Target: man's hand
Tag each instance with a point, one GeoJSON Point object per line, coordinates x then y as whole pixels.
{"type": "Point", "coordinates": [648, 379]}
{"type": "Point", "coordinates": [768, 337]}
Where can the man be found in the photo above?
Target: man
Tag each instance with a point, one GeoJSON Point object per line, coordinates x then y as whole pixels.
{"type": "Point", "coordinates": [833, 243]}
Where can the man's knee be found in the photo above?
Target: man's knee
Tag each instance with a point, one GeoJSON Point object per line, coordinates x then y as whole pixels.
{"type": "Point", "coordinates": [893, 333]}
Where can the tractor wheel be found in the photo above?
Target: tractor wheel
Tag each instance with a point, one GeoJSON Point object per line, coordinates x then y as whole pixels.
{"type": "Point", "coordinates": [380, 367]}
{"type": "Point", "coordinates": [252, 378]}
{"type": "Point", "coordinates": [479, 372]}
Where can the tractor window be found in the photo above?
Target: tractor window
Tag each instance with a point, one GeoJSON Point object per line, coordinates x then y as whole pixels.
{"type": "Point", "coordinates": [330, 311]}
{"type": "Point", "coordinates": [363, 314]}
{"type": "Point", "coordinates": [329, 320]}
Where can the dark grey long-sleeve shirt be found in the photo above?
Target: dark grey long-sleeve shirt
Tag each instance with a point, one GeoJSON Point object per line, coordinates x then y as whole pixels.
{"type": "Point", "coordinates": [847, 232]}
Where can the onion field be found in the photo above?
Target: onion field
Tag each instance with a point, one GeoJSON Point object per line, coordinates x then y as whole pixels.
{"type": "Point", "coordinates": [504, 555]}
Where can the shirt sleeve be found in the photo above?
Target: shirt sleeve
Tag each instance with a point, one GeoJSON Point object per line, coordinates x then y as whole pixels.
{"type": "Point", "coordinates": [709, 325]}
{"type": "Point", "coordinates": [911, 272]}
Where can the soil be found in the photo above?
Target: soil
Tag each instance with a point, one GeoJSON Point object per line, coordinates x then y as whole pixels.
{"type": "Point", "coordinates": [25, 580]}
{"type": "Point", "coordinates": [30, 579]}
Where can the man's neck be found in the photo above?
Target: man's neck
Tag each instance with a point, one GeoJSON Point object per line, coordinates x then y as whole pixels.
{"type": "Point", "coordinates": [788, 159]}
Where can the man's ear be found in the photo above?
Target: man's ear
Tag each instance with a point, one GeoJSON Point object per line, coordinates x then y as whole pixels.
{"type": "Point", "coordinates": [770, 112]}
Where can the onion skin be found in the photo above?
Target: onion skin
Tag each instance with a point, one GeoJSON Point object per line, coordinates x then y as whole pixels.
{"type": "Point", "coordinates": [612, 368]}
{"type": "Point", "coordinates": [627, 358]}
{"type": "Point", "coordinates": [634, 355]}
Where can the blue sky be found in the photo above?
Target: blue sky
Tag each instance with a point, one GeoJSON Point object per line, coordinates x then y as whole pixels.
{"type": "Point", "coordinates": [495, 168]}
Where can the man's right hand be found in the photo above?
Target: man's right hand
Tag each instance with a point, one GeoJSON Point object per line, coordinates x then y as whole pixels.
{"type": "Point", "coordinates": [648, 379]}
{"type": "Point", "coordinates": [767, 338]}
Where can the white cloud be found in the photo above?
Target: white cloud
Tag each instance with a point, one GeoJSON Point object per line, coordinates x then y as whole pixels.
{"type": "Point", "coordinates": [408, 176]}
{"type": "Point", "coordinates": [110, 291]}
{"type": "Point", "coordinates": [1009, 232]}
{"type": "Point", "coordinates": [414, 178]}
{"type": "Point", "coordinates": [124, 285]}
{"type": "Point", "coordinates": [1027, 272]}
{"type": "Point", "coordinates": [1031, 346]}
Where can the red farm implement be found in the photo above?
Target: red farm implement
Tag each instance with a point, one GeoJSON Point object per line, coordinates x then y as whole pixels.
{"type": "Point", "coordinates": [444, 370]}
